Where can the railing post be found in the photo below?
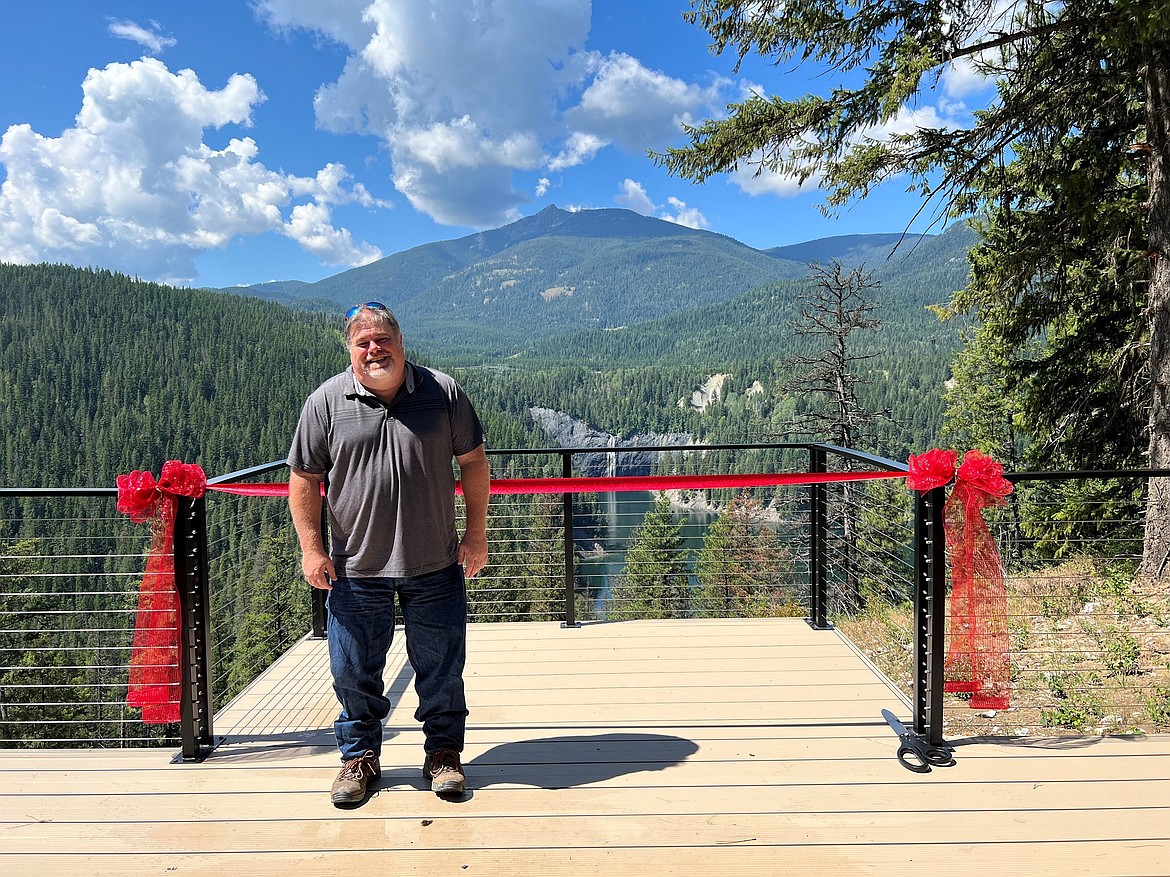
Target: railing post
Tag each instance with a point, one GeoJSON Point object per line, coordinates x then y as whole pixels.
{"type": "Point", "coordinates": [818, 526]}
{"type": "Point", "coordinates": [192, 584]}
{"type": "Point", "coordinates": [317, 596]}
{"type": "Point", "coordinates": [929, 614]}
{"type": "Point", "coordinates": [570, 559]}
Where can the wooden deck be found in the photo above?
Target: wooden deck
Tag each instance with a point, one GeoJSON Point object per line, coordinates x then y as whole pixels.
{"type": "Point", "coordinates": [638, 748]}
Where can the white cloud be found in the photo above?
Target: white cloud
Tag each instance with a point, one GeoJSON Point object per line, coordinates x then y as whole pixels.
{"type": "Point", "coordinates": [149, 38]}
{"type": "Point", "coordinates": [339, 20]}
{"type": "Point", "coordinates": [542, 186]}
{"type": "Point", "coordinates": [752, 180]}
{"type": "Point", "coordinates": [691, 217]}
{"type": "Point", "coordinates": [327, 188]}
{"type": "Point", "coordinates": [459, 87]}
{"type": "Point", "coordinates": [132, 185]}
{"type": "Point", "coordinates": [962, 79]}
{"type": "Point", "coordinates": [638, 108]}
{"type": "Point", "coordinates": [578, 149]}
{"type": "Point", "coordinates": [632, 195]}
{"type": "Point", "coordinates": [461, 144]}
{"type": "Point", "coordinates": [310, 226]}
{"type": "Point", "coordinates": [462, 195]}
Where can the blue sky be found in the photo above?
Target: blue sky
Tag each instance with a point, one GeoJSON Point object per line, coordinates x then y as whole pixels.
{"type": "Point", "coordinates": [239, 141]}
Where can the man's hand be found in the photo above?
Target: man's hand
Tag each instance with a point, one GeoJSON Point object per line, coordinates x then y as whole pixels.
{"type": "Point", "coordinates": [304, 501]}
{"type": "Point", "coordinates": [475, 476]}
{"type": "Point", "coordinates": [318, 570]}
{"type": "Point", "coordinates": [473, 553]}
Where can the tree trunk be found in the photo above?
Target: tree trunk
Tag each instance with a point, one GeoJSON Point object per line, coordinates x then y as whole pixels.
{"type": "Point", "coordinates": [1156, 551]}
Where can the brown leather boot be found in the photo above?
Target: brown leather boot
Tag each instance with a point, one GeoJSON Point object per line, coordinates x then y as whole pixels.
{"type": "Point", "coordinates": [445, 772]}
{"type": "Point", "coordinates": [350, 785]}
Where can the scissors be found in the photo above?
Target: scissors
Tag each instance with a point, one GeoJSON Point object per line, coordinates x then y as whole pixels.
{"type": "Point", "coordinates": [916, 754]}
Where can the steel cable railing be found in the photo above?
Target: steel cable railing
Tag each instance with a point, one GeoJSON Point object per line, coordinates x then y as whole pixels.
{"type": "Point", "coordinates": [69, 572]}
{"type": "Point", "coordinates": [1088, 640]}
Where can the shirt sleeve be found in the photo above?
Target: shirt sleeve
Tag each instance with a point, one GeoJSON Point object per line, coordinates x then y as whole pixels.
{"type": "Point", "coordinates": [310, 444]}
{"type": "Point", "coordinates": [466, 430]}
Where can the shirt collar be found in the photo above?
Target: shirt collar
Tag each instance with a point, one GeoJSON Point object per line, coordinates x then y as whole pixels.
{"type": "Point", "coordinates": [360, 389]}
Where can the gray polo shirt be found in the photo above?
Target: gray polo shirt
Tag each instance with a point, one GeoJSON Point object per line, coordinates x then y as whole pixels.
{"type": "Point", "coordinates": [391, 483]}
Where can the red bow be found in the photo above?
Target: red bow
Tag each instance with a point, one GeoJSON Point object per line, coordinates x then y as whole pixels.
{"type": "Point", "coordinates": [155, 674]}
{"type": "Point", "coordinates": [978, 646]}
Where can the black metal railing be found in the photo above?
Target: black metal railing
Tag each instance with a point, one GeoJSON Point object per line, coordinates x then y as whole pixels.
{"type": "Point", "coordinates": [851, 552]}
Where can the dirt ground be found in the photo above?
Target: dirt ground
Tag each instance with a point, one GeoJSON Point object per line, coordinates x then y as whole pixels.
{"type": "Point", "coordinates": [1090, 654]}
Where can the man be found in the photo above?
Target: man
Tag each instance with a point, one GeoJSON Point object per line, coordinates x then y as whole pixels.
{"type": "Point", "coordinates": [381, 436]}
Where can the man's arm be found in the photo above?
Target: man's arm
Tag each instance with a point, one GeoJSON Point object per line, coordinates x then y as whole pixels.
{"type": "Point", "coordinates": [475, 476]}
{"type": "Point", "coordinates": [304, 501]}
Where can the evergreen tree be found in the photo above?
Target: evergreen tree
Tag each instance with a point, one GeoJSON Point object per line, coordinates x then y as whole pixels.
{"type": "Point", "coordinates": [654, 582]}
{"type": "Point", "coordinates": [275, 611]}
{"type": "Point", "coordinates": [1059, 282]}
{"type": "Point", "coordinates": [1062, 70]}
{"type": "Point", "coordinates": [47, 681]}
{"type": "Point", "coordinates": [742, 568]}
{"type": "Point", "coordinates": [544, 559]}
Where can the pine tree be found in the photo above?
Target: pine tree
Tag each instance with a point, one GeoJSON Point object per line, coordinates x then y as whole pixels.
{"type": "Point", "coordinates": [654, 582]}
{"type": "Point", "coordinates": [1061, 70]}
{"type": "Point", "coordinates": [742, 569]}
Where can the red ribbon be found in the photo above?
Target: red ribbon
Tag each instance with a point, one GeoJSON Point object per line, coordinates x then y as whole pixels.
{"type": "Point", "coordinates": [155, 672]}
{"type": "Point", "coordinates": [978, 646]}
{"type": "Point", "coordinates": [977, 661]}
{"type": "Point", "coordinates": [615, 484]}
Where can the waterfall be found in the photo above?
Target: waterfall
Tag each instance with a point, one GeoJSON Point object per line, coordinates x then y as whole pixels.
{"type": "Point", "coordinates": [611, 469]}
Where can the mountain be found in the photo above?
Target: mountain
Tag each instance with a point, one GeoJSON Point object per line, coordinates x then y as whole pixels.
{"type": "Point", "coordinates": [547, 274]}
{"type": "Point", "coordinates": [758, 323]}
{"type": "Point", "coordinates": [848, 249]}
{"type": "Point", "coordinates": [564, 274]}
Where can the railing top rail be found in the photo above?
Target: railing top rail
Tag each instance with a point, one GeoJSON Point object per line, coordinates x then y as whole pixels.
{"type": "Point", "coordinates": [250, 472]}
{"type": "Point", "coordinates": [1086, 473]}
{"type": "Point", "coordinates": [58, 491]}
{"type": "Point", "coordinates": [622, 449]}
{"type": "Point", "coordinates": [860, 456]}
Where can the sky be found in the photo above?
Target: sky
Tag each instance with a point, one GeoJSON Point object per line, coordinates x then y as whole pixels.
{"type": "Point", "coordinates": [234, 142]}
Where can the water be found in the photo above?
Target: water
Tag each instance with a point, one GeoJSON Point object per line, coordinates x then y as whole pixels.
{"type": "Point", "coordinates": [601, 556]}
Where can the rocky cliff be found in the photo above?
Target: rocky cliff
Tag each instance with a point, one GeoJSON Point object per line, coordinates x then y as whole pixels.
{"type": "Point", "coordinates": [569, 432]}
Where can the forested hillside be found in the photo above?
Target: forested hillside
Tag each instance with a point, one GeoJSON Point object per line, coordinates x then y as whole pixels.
{"type": "Point", "coordinates": [631, 378]}
{"type": "Point", "coordinates": [101, 374]}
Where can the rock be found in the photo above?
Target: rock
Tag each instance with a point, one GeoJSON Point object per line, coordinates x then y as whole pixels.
{"type": "Point", "coordinates": [709, 393]}
{"type": "Point", "coordinates": [569, 432]}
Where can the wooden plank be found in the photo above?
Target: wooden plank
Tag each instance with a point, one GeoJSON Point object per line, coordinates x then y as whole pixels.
{"type": "Point", "coordinates": [307, 801]}
{"type": "Point", "coordinates": [1067, 859]}
{"type": "Point", "coordinates": [714, 744]}
{"type": "Point", "coordinates": [678, 831]}
{"type": "Point", "coordinates": [498, 770]}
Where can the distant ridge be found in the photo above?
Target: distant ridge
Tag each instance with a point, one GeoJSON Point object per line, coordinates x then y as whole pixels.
{"type": "Point", "coordinates": [848, 249]}
{"type": "Point", "coordinates": [559, 273]}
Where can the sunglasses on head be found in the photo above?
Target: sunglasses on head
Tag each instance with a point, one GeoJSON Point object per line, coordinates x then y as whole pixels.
{"type": "Point", "coordinates": [369, 305]}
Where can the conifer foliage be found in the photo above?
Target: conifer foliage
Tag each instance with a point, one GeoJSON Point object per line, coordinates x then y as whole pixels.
{"type": "Point", "coordinates": [1065, 73]}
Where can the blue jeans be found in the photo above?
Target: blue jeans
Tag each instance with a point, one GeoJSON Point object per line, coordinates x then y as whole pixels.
{"type": "Point", "coordinates": [360, 630]}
